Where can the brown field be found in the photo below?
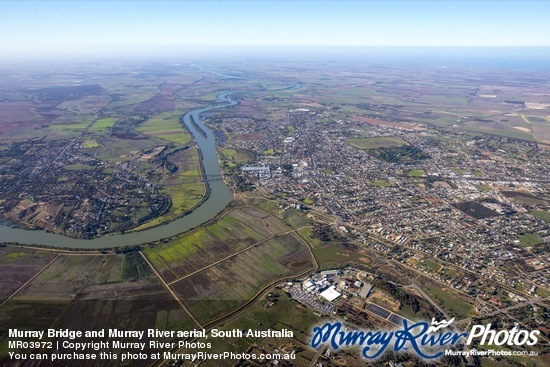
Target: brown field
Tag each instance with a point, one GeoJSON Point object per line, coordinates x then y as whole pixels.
{"type": "Point", "coordinates": [86, 292]}
{"type": "Point", "coordinates": [217, 290]}
{"type": "Point", "coordinates": [197, 249]}
{"type": "Point", "coordinates": [18, 265]}
{"type": "Point", "coordinates": [158, 103]}
{"type": "Point", "coordinates": [541, 130]}
{"type": "Point", "coordinates": [21, 120]}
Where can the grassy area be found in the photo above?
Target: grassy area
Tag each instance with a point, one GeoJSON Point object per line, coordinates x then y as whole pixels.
{"type": "Point", "coordinates": [283, 314]}
{"type": "Point", "coordinates": [541, 292]}
{"type": "Point", "coordinates": [165, 126]}
{"type": "Point", "coordinates": [529, 239]}
{"type": "Point", "coordinates": [485, 187]}
{"type": "Point", "coordinates": [221, 239]}
{"type": "Point", "coordinates": [68, 129]}
{"type": "Point", "coordinates": [234, 250]}
{"type": "Point", "coordinates": [501, 130]}
{"type": "Point", "coordinates": [306, 234]}
{"type": "Point", "coordinates": [380, 183]}
{"type": "Point", "coordinates": [433, 266]}
{"type": "Point", "coordinates": [416, 173]}
{"type": "Point", "coordinates": [379, 142]}
{"type": "Point", "coordinates": [77, 167]}
{"type": "Point", "coordinates": [308, 201]}
{"type": "Point", "coordinates": [102, 125]}
{"type": "Point", "coordinates": [332, 255]}
{"type": "Point", "coordinates": [234, 157]}
{"type": "Point", "coordinates": [526, 200]}
{"type": "Point", "coordinates": [89, 144]}
{"type": "Point", "coordinates": [184, 197]}
{"type": "Point", "coordinates": [447, 297]}
{"type": "Point", "coordinates": [541, 214]}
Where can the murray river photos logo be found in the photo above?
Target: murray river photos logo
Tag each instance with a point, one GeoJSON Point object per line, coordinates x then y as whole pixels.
{"type": "Point", "coordinates": [429, 341]}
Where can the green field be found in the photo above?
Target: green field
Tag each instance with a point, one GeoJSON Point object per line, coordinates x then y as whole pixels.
{"type": "Point", "coordinates": [416, 173]}
{"type": "Point", "coordinates": [460, 171]}
{"type": "Point", "coordinates": [337, 254]}
{"type": "Point", "coordinates": [431, 265]}
{"type": "Point", "coordinates": [379, 142]}
{"type": "Point", "coordinates": [527, 200]}
{"type": "Point", "coordinates": [90, 143]}
{"type": "Point", "coordinates": [68, 129]}
{"type": "Point", "coordinates": [234, 157]}
{"type": "Point", "coordinates": [308, 201]}
{"type": "Point", "coordinates": [102, 126]}
{"type": "Point", "coordinates": [77, 167]}
{"type": "Point", "coordinates": [485, 187]}
{"type": "Point", "coordinates": [541, 214]}
{"type": "Point", "coordinates": [446, 298]}
{"type": "Point", "coordinates": [202, 246]}
{"type": "Point", "coordinates": [88, 292]}
{"type": "Point", "coordinates": [165, 126]}
{"type": "Point", "coordinates": [245, 247]}
{"type": "Point", "coordinates": [284, 314]}
{"type": "Point", "coordinates": [380, 183]}
{"type": "Point", "coordinates": [529, 239]}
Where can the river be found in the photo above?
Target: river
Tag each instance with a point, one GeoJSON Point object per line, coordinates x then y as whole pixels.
{"type": "Point", "coordinates": [219, 197]}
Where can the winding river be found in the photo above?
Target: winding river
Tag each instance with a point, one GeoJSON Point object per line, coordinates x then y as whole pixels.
{"type": "Point", "coordinates": [219, 197]}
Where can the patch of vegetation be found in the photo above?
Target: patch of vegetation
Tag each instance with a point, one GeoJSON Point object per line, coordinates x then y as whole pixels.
{"type": "Point", "coordinates": [339, 254]}
{"type": "Point", "coordinates": [308, 201]}
{"type": "Point", "coordinates": [449, 301]}
{"type": "Point", "coordinates": [475, 210]}
{"type": "Point", "coordinates": [420, 307]}
{"type": "Point", "coordinates": [416, 173]}
{"type": "Point", "coordinates": [165, 126]}
{"type": "Point", "coordinates": [399, 154]}
{"type": "Point", "coordinates": [134, 267]}
{"type": "Point", "coordinates": [325, 233]}
{"type": "Point", "coordinates": [77, 167]}
{"type": "Point", "coordinates": [529, 239]}
{"type": "Point", "coordinates": [234, 157]}
{"type": "Point", "coordinates": [102, 125]}
{"type": "Point", "coordinates": [378, 142]}
{"type": "Point", "coordinates": [89, 144]}
{"type": "Point", "coordinates": [541, 214]}
{"type": "Point", "coordinates": [433, 266]}
{"type": "Point", "coordinates": [485, 187]}
{"type": "Point", "coordinates": [380, 183]}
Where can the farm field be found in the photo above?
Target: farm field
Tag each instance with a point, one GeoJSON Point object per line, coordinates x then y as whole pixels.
{"type": "Point", "coordinates": [246, 246]}
{"type": "Point", "coordinates": [284, 314]}
{"type": "Point", "coordinates": [18, 265]}
{"type": "Point", "coordinates": [371, 165]}
{"type": "Point", "coordinates": [165, 126]}
{"type": "Point", "coordinates": [213, 292]}
{"type": "Point", "coordinates": [102, 125]}
{"type": "Point", "coordinates": [91, 292]}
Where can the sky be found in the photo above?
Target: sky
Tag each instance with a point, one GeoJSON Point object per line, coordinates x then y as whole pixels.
{"type": "Point", "coordinates": [103, 26]}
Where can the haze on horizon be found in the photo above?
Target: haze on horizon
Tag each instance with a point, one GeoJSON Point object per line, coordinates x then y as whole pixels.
{"type": "Point", "coordinates": [63, 28]}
